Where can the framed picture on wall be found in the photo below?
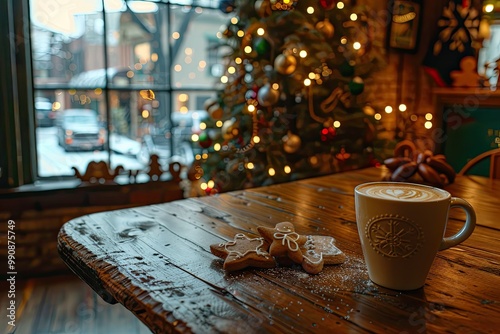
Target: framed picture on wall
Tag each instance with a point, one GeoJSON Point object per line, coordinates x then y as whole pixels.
{"type": "Point", "coordinates": [405, 23]}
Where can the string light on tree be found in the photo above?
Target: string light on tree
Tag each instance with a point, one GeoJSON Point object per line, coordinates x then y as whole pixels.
{"type": "Point", "coordinates": [291, 97]}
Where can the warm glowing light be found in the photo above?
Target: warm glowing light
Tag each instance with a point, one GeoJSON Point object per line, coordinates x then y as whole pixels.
{"type": "Point", "coordinates": [271, 171]}
{"type": "Point", "coordinates": [336, 124]}
{"type": "Point", "coordinates": [188, 51]}
{"type": "Point", "coordinates": [178, 68]}
{"type": "Point", "coordinates": [176, 35]}
{"type": "Point", "coordinates": [428, 116]}
{"type": "Point", "coordinates": [202, 64]}
{"type": "Point", "coordinates": [402, 107]}
{"type": "Point", "coordinates": [138, 66]}
{"type": "Point", "coordinates": [310, 10]}
{"type": "Point", "coordinates": [313, 160]}
{"type": "Point", "coordinates": [183, 109]}
{"type": "Point", "coordinates": [312, 75]}
{"type": "Point", "coordinates": [237, 60]}
{"type": "Point", "coordinates": [224, 79]}
{"type": "Point", "coordinates": [231, 69]}
{"type": "Point", "coordinates": [428, 125]}
{"type": "Point", "coordinates": [248, 49]}
{"type": "Point", "coordinates": [343, 40]}
{"type": "Point", "coordinates": [145, 113]}
{"type": "Point", "coordinates": [130, 74]}
{"type": "Point", "coordinates": [217, 147]}
{"type": "Point", "coordinates": [377, 116]}
{"type": "Point", "coordinates": [211, 183]}
{"type": "Point", "coordinates": [195, 137]}
{"type": "Point", "coordinates": [205, 156]}
{"type": "Point", "coordinates": [250, 165]}
{"type": "Point", "coordinates": [197, 157]}
{"type": "Point", "coordinates": [356, 45]}
{"type": "Point", "coordinates": [240, 33]}
{"type": "Point", "coordinates": [57, 105]}
{"type": "Point", "coordinates": [183, 97]}
{"type": "Point", "coordinates": [353, 17]}
{"type": "Point", "coordinates": [234, 20]}
{"type": "Point", "coordinates": [154, 57]}
{"type": "Point", "coordinates": [489, 8]}
{"type": "Point", "coordinates": [256, 139]}
{"type": "Point", "coordinates": [219, 124]}
{"type": "Point", "coordinates": [388, 109]}
{"type": "Point", "coordinates": [287, 169]}
{"type": "Point", "coordinates": [251, 108]}
{"type": "Point", "coordinates": [203, 186]}
{"type": "Point", "coordinates": [340, 5]}
{"type": "Point", "coordinates": [275, 86]}
{"type": "Point", "coordinates": [261, 31]}
{"type": "Point", "coordinates": [303, 53]}
{"type": "Point", "coordinates": [307, 82]}
{"type": "Point", "coordinates": [203, 126]}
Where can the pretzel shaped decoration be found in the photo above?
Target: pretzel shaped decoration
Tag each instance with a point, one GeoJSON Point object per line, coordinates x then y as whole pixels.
{"type": "Point", "coordinates": [408, 164]}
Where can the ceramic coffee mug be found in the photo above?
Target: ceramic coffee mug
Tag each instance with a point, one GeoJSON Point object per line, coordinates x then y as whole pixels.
{"type": "Point", "coordinates": [401, 227]}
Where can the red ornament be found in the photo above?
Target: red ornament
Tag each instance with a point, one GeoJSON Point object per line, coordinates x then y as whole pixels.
{"type": "Point", "coordinates": [327, 133]}
{"type": "Point", "coordinates": [205, 141]}
{"type": "Point", "coordinates": [328, 4]}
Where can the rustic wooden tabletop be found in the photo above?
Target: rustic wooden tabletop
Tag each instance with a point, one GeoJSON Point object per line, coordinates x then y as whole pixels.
{"type": "Point", "coordinates": [156, 261]}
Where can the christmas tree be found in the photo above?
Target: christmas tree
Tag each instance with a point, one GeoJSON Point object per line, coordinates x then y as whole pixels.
{"type": "Point", "coordinates": [291, 104]}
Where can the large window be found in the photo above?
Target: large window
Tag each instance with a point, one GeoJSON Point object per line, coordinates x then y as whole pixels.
{"type": "Point", "coordinates": [118, 80]}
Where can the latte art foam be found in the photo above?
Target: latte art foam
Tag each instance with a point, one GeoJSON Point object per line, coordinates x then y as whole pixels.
{"type": "Point", "coordinates": [402, 192]}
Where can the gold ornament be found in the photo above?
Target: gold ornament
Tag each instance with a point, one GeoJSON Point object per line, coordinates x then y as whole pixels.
{"type": "Point", "coordinates": [291, 143]}
{"type": "Point", "coordinates": [326, 28]}
{"type": "Point", "coordinates": [229, 129]}
{"type": "Point", "coordinates": [267, 96]}
{"type": "Point", "coordinates": [285, 64]}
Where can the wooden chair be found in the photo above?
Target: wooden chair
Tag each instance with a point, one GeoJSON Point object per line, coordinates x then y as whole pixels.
{"type": "Point", "coordinates": [494, 156]}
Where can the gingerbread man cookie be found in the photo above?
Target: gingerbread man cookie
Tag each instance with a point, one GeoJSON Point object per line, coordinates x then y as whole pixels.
{"type": "Point", "coordinates": [322, 246]}
{"type": "Point", "coordinates": [244, 252]}
{"type": "Point", "coordinates": [284, 241]}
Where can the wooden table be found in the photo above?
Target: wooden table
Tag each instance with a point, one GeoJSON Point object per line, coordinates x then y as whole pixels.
{"type": "Point", "coordinates": [156, 261]}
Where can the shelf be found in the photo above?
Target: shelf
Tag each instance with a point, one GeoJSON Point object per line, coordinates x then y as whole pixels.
{"type": "Point", "coordinates": [472, 96]}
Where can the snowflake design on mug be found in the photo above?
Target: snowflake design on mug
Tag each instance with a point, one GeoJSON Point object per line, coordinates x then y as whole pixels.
{"type": "Point", "coordinates": [394, 235]}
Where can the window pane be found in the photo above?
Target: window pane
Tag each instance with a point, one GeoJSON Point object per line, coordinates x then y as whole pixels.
{"type": "Point", "coordinates": [71, 130]}
{"type": "Point", "coordinates": [196, 60]}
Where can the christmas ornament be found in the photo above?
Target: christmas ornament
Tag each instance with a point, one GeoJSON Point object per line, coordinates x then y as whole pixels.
{"type": "Point", "coordinates": [409, 165]}
{"type": "Point", "coordinates": [328, 133]}
{"type": "Point", "coordinates": [204, 140]}
{"type": "Point", "coordinates": [267, 96]}
{"type": "Point", "coordinates": [263, 8]}
{"type": "Point", "coordinates": [261, 46]}
{"type": "Point", "coordinates": [285, 65]}
{"type": "Point", "coordinates": [346, 69]}
{"type": "Point", "coordinates": [326, 28]}
{"type": "Point", "coordinates": [229, 129]}
{"type": "Point", "coordinates": [356, 86]}
{"type": "Point", "coordinates": [291, 143]}
{"type": "Point", "coordinates": [328, 4]}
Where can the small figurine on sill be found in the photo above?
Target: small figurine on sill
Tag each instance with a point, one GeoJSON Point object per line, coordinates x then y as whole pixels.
{"type": "Point", "coordinates": [410, 165]}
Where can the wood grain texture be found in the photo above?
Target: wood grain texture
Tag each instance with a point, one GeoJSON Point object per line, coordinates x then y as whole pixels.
{"type": "Point", "coordinates": [155, 260]}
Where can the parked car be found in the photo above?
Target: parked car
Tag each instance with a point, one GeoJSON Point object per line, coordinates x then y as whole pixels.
{"type": "Point", "coordinates": [80, 129]}
{"type": "Point", "coordinates": [44, 114]}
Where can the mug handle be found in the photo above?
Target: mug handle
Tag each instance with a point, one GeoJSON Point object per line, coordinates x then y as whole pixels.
{"type": "Point", "coordinates": [466, 230]}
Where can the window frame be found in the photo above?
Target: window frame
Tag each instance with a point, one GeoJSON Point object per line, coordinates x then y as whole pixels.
{"type": "Point", "coordinates": [19, 165]}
